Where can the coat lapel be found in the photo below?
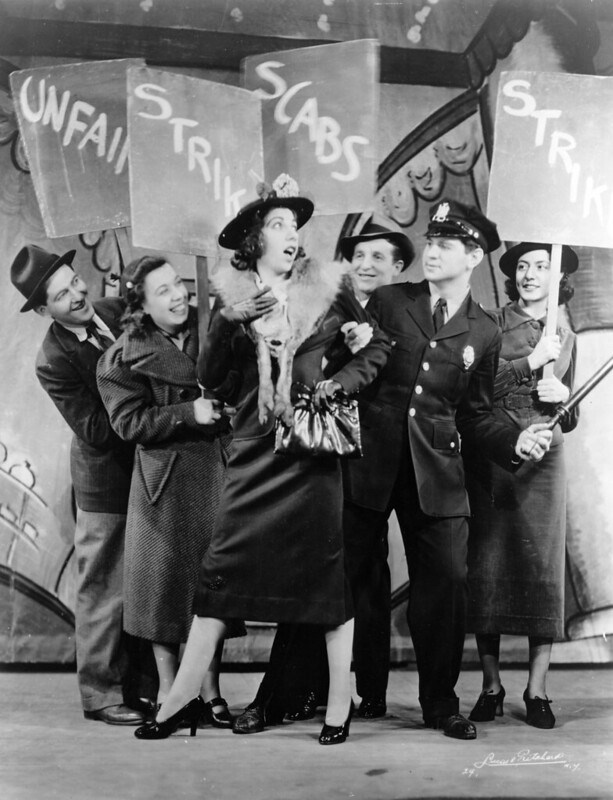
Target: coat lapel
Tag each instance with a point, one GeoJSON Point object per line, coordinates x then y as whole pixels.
{"type": "Point", "coordinates": [418, 306]}
{"type": "Point", "coordinates": [157, 357]}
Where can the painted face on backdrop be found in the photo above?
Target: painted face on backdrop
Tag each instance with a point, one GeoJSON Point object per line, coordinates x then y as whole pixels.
{"type": "Point", "coordinates": [67, 298]}
{"type": "Point", "coordinates": [373, 265]}
{"type": "Point", "coordinates": [166, 298]}
{"type": "Point", "coordinates": [445, 259]}
{"type": "Point", "coordinates": [426, 174]}
{"type": "Point", "coordinates": [396, 199]}
{"type": "Point", "coordinates": [532, 276]}
{"type": "Point", "coordinates": [279, 240]}
{"type": "Point", "coordinates": [459, 149]}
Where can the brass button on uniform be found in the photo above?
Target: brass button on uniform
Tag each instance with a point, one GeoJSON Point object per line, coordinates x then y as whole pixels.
{"type": "Point", "coordinates": [411, 412]}
{"type": "Point", "coordinates": [425, 366]}
{"type": "Point", "coordinates": [418, 390]}
{"type": "Point", "coordinates": [433, 345]}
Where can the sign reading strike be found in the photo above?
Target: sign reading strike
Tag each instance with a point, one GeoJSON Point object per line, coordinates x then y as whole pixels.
{"type": "Point", "coordinates": [195, 158]}
{"type": "Point", "coordinates": [552, 170]}
{"type": "Point", "coordinates": [319, 118]}
{"type": "Point", "coordinates": [73, 122]}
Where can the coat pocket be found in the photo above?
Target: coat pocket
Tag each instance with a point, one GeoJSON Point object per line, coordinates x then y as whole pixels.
{"type": "Point", "coordinates": [446, 437]}
{"type": "Point", "coordinates": [155, 468]}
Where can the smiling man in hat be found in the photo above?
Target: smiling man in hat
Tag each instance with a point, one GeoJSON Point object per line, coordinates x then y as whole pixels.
{"type": "Point", "coordinates": [436, 389]}
{"type": "Point", "coordinates": [100, 464]}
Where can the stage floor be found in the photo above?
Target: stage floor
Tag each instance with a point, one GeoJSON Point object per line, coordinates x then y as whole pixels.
{"type": "Point", "coordinates": [48, 750]}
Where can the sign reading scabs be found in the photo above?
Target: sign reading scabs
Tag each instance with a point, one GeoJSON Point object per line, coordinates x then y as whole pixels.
{"type": "Point", "coordinates": [195, 158]}
{"type": "Point", "coordinates": [551, 179]}
{"type": "Point", "coordinates": [319, 119]}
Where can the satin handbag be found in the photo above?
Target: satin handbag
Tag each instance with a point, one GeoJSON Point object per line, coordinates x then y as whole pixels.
{"type": "Point", "coordinates": [334, 431]}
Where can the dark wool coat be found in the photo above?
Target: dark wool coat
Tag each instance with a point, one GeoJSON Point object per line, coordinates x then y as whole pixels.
{"type": "Point", "coordinates": [439, 388]}
{"type": "Point", "coordinates": [517, 538]}
{"type": "Point", "coordinates": [148, 386]}
{"type": "Point", "coordinates": [100, 462]}
{"type": "Point", "coordinates": [277, 551]}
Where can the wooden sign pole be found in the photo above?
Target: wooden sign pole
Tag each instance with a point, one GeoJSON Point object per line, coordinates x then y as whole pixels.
{"type": "Point", "coordinates": [202, 295]}
{"type": "Point", "coordinates": [552, 300]}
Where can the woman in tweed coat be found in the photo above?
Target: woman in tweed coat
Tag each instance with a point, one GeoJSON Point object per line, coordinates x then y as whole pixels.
{"type": "Point", "coordinates": [147, 381]}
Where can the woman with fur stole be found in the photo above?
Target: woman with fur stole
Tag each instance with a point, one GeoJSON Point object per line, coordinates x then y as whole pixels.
{"type": "Point", "coordinates": [276, 553]}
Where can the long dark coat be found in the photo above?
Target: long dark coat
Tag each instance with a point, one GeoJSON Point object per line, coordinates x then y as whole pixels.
{"type": "Point", "coordinates": [148, 386]}
{"type": "Point", "coordinates": [518, 525]}
{"type": "Point", "coordinates": [277, 550]}
{"type": "Point", "coordinates": [100, 462]}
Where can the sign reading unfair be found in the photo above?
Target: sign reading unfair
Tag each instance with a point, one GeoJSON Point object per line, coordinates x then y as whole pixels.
{"type": "Point", "coordinates": [195, 158]}
{"type": "Point", "coordinates": [319, 119]}
{"type": "Point", "coordinates": [73, 122]}
{"type": "Point", "coordinates": [551, 179]}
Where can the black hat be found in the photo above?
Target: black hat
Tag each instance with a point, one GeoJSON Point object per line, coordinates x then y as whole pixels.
{"type": "Point", "coordinates": [508, 261]}
{"type": "Point", "coordinates": [454, 219]}
{"type": "Point", "coordinates": [282, 194]}
{"type": "Point", "coordinates": [32, 267]}
{"type": "Point", "coordinates": [372, 230]}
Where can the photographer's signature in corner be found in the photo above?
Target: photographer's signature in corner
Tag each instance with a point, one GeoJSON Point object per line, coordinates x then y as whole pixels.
{"type": "Point", "coordinates": [523, 758]}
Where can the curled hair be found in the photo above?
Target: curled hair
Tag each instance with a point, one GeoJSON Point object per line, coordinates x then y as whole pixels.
{"type": "Point", "coordinates": [246, 257]}
{"type": "Point", "coordinates": [134, 319]}
{"type": "Point", "coordinates": [565, 292]}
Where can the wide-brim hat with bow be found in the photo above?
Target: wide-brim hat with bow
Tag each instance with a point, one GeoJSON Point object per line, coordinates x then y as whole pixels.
{"type": "Point", "coordinates": [373, 230]}
{"type": "Point", "coordinates": [283, 193]}
{"type": "Point", "coordinates": [508, 261]}
{"type": "Point", "coordinates": [30, 270]}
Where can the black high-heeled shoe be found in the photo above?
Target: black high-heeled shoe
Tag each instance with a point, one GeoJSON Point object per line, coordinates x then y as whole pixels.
{"type": "Point", "coordinates": [538, 712]}
{"type": "Point", "coordinates": [218, 719]}
{"type": "Point", "coordinates": [332, 734]}
{"type": "Point", "coordinates": [190, 713]}
{"type": "Point", "coordinates": [488, 706]}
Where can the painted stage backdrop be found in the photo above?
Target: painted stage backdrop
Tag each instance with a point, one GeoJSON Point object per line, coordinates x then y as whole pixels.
{"type": "Point", "coordinates": [409, 145]}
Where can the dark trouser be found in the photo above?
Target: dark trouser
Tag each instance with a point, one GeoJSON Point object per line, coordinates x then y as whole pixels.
{"type": "Point", "coordinates": [297, 664]}
{"type": "Point", "coordinates": [366, 551]}
{"type": "Point", "coordinates": [436, 550]}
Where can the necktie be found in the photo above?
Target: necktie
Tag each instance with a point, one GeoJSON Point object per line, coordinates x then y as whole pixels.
{"type": "Point", "coordinates": [102, 341]}
{"type": "Point", "coordinates": [438, 317]}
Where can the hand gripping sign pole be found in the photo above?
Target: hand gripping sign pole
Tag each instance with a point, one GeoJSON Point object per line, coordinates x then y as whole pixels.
{"type": "Point", "coordinates": [580, 394]}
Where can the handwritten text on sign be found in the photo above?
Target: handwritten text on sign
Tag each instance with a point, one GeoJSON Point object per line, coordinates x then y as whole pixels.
{"type": "Point", "coordinates": [73, 122]}
{"type": "Point", "coordinates": [195, 155]}
{"type": "Point", "coordinates": [327, 146]}
{"type": "Point", "coordinates": [552, 170]}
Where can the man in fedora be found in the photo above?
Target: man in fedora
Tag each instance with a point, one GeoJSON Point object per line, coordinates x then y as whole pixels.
{"type": "Point", "coordinates": [436, 389]}
{"type": "Point", "coordinates": [100, 464]}
{"type": "Point", "coordinates": [378, 256]}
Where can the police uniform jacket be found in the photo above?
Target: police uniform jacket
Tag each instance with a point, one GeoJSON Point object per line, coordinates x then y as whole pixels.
{"type": "Point", "coordinates": [435, 391]}
{"type": "Point", "coordinates": [100, 462]}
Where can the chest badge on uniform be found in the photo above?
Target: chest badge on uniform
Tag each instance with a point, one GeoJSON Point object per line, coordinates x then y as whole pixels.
{"type": "Point", "coordinates": [468, 357]}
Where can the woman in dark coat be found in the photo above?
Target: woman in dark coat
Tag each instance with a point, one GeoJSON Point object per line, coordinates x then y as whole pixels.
{"type": "Point", "coordinates": [147, 381]}
{"type": "Point", "coordinates": [518, 525]}
{"type": "Point", "coordinates": [277, 552]}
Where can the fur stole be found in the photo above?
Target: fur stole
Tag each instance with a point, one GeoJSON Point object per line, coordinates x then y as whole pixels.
{"type": "Point", "coordinates": [312, 288]}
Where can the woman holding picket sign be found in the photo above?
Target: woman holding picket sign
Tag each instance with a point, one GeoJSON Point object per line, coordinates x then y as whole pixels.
{"type": "Point", "coordinates": [518, 525]}
{"type": "Point", "coordinates": [276, 554]}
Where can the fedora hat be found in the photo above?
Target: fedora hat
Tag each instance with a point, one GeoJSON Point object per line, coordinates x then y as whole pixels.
{"type": "Point", "coordinates": [452, 219]}
{"type": "Point", "coordinates": [373, 230]}
{"type": "Point", "coordinates": [31, 268]}
{"type": "Point", "coordinates": [508, 261]}
{"type": "Point", "coordinates": [282, 194]}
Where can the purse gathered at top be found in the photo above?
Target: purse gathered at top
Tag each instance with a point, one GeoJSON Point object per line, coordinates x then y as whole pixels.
{"type": "Point", "coordinates": [330, 431]}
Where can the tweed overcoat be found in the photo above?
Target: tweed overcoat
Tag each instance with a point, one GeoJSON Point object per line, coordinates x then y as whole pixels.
{"type": "Point", "coordinates": [516, 548]}
{"type": "Point", "coordinates": [439, 386]}
{"type": "Point", "coordinates": [277, 550]}
{"type": "Point", "coordinates": [148, 386]}
{"type": "Point", "coordinates": [100, 461]}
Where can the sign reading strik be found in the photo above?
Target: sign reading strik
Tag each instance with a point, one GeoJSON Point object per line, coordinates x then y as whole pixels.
{"type": "Point", "coordinates": [73, 122]}
{"type": "Point", "coordinates": [319, 118]}
{"type": "Point", "coordinates": [195, 158]}
{"type": "Point", "coordinates": [551, 179]}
